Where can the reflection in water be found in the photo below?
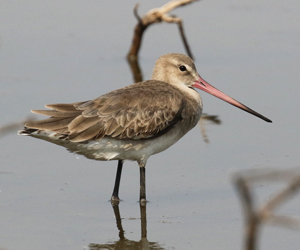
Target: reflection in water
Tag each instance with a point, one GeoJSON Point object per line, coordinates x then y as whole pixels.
{"type": "Point", "coordinates": [124, 243]}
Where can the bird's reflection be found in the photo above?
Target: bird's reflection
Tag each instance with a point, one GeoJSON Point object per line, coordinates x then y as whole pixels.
{"type": "Point", "coordinates": [123, 243]}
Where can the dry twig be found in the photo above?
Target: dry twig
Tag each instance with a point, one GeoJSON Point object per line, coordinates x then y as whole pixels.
{"type": "Point", "coordinates": [156, 15]}
{"type": "Point", "coordinates": [254, 217]}
{"type": "Point", "coordinates": [213, 119]}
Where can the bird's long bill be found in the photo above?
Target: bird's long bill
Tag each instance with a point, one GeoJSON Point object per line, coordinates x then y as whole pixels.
{"type": "Point", "coordinates": [203, 85]}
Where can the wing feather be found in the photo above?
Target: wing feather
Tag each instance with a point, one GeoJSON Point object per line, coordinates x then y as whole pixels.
{"type": "Point", "coordinates": [52, 123]}
{"type": "Point", "coordinates": [81, 123]}
{"type": "Point", "coordinates": [63, 106]}
{"type": "Point", "coordinates": [94, 131]}
{"type": "Point", "coordinates": [55, 113]}
{"type": "Point", "coordinates": [138, 111]}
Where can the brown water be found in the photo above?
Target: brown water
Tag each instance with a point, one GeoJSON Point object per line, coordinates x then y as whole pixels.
{"type": "Point", "coordinates": [67, 51]}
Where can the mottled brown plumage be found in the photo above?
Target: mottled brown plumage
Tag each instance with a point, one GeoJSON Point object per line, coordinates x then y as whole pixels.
{"type": "Point", "coordinates": [137, 111]}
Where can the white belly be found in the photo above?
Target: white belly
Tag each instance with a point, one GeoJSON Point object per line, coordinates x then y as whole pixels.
{"type": "Point", "coordinates": [114, 149]}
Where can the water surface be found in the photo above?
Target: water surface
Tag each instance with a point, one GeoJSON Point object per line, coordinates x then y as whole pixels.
{"type": "Point", "coordinates": [68, 51]}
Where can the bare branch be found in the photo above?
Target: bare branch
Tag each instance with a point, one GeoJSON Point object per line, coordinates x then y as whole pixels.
{"type": "Point", "coordinates": [170, 19]}
{"type": "Point", "coordinates": [205, 118]}
{"type": "Point", "coordinates": [155, 16]}
{"type": "Point", "coordinates": [281, 197]}
{"type": "Point", "coordinates": [251, 220]}
{"type": "Point", "coordinates": [285, 221]}
{"type": "Point", "coordinates": [186, 45]}
{"type": "Point", "coordinates": [174, 4]}
{"type": "Point", "coordinates": [136, 13]}
{"type": "Point", "coordinates": [256, 216]}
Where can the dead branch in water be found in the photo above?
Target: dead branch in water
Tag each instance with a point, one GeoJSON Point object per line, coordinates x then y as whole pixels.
{"type": "Point", "coordinates": [255, 216]}
{"type": "Point", "coordinates": [156, 15]}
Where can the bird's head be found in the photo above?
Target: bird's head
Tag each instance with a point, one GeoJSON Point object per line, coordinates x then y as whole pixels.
{"type": "Point", "coordinates": [178, 69]}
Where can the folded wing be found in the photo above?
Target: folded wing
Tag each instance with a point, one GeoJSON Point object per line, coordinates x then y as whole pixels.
{"type": "Point", "coordinates": [138, 111]}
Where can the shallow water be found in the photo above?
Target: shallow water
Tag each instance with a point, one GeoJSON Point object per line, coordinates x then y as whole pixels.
{"type": "Point", "coordinates": [67, 51]}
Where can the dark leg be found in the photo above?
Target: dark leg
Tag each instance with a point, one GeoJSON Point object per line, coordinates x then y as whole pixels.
{"type": "Point", "coordinates": [115, 194]}
{"type": "Point", "coordinates": [142, 184]}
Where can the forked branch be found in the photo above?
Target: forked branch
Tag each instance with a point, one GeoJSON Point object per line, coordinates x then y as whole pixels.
{"type": "Point", "coordinates": [255, 216]}
{"type": "Point", "coordinates": [157, 15]}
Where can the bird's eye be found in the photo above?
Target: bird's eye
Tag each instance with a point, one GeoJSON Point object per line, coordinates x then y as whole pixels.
{"type": "Point", "coordinates": [182, 68]}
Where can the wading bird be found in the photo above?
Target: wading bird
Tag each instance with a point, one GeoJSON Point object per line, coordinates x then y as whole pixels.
{"type": "Point", "coordinates": [134, 122]}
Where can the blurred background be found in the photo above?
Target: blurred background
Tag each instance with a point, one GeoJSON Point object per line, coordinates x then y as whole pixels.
{"type": "Point", "coordinates": [69, 51]}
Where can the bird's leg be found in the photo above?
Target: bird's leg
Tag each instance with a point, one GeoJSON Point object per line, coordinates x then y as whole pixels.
{"type": "Point", "coordinates": [142, 183]}
{"type": "Point", "coordinates": [115, 194]}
